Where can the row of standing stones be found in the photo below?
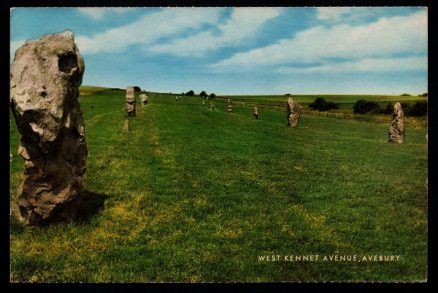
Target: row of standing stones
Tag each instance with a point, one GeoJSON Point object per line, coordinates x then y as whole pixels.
{"type": "Point", "coordinates": [130, 100]}
{"type": "Point", "coordinates": [45, 77]}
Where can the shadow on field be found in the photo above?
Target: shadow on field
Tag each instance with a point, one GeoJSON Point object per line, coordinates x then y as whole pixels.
{"type": "Point", "coordinates": [90, 205]}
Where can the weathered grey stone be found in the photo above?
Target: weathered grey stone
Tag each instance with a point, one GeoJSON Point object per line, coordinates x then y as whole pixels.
{"type": "Point", "coordinates": [130, 101]}
{"type": "Point", "coordinates": [44, 89]}
{"type": "Point", "coordinates": [229, 105]}
{"type": "Point", "coordinates": [256, 113]}
{"type": "Point", "coordinates": [293, 112]}
{"type": "Point", "coordinates": [144, 99]}
{"type": "Point", "coordinates": [397, 128]}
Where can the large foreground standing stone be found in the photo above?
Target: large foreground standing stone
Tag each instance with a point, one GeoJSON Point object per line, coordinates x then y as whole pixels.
{"type": "Point", "coordinates": [45, 79]}
{"type": "Point", "coordinates": [397, 128]}
{"type": "Point", "coordinates": [293, 112]}
{"type": "Point", "coordinates": [130, 101]}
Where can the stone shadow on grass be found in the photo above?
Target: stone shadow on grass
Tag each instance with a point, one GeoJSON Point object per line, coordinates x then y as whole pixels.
{"type": "Point", "coordinates": [91, 204]}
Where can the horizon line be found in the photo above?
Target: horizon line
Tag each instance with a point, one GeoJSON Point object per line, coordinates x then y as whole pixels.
{"type": "Point", "coordinates": [270, 94]}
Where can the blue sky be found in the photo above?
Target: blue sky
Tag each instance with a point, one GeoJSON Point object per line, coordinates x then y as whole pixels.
{"type": "Point", "coordinates": [267, 50]}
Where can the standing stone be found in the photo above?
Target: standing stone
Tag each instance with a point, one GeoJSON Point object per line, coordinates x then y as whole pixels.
{"type": "Point", "coordinates": [397, 128]}
{"type": "Point", "coordinates": [229, 105]}
{"type": "Point", "coordinates": [44, 89]}
{"type": "Point", "coordinates": [293, 112]}
{"type": "Point", "coordinates": [130, 101]}
{"type": "Point", "coordinates": [256, 113]}
{"type": "Point", "coordinates": [144, 99]}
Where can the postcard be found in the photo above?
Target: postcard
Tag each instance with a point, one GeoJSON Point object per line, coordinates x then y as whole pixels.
{"type": "Point", "coordinates": [218, 144]}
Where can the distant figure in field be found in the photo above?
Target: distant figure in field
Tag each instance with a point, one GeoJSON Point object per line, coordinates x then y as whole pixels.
{"type": "Point", "coordinates": [293, 112]}
{"type": "Point", "coordinates": [256, 113]}
{"type": "Point", "coordinates": [176, 98]}
{"type": "Point", "coordinates": [397, 128]}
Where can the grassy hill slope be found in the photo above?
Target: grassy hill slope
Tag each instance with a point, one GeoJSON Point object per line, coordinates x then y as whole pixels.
{"type": "Point", "coordinates": [191, 194]}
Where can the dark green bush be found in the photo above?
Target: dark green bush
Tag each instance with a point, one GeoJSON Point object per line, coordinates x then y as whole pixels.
{"type": "Point", "coordinates": [321, 104]}
{"type": "Point", "coordinates": [364, 106]}
{"type": "Point", "coordinates": [190, 93]}
{"type": "Point", "coordinates": [389, 108]}
{"type": "Point", "coordinates": [419, 108]}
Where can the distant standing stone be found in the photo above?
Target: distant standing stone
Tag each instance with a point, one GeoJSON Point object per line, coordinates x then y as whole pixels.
{"type": "Point", "coordinates": [144, 99]}
{"type": "Point", "coordinates": [256, 113]}
{"type": "Point", "coordinates": [44, 89]}
{"type": "Point", "coordinates": [130, 101]}
{"type": "Point", "coordinates": [397, 128]}
{"type": "Point", "coordinates": [293, 112]}
{"type": "Point", "coordinates": [229, 105]}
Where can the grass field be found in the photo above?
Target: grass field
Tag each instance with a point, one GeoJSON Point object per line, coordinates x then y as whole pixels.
{"type": "Point", "coordinates": [345, 102]}
{"type": "Point", "coordinates": [194, 195]}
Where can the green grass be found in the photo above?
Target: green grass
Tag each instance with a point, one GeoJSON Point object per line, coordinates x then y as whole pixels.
{"type": "Point", "coordinates": [197, 195]}
{"type": "Point", "coordinates": [88, 90]}
{"type": "Point", "coordinates": [345, 101]}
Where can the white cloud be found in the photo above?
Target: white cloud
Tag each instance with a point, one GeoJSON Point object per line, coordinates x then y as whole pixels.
{"type": "Point", "coordinates": [383, 38]}
{"type": "Point", "coordinates": [98, 12]}
{"type": "Point", "coordinates": [243, 23]}
{"type": "Point", "coordinates": [364, 65]}
{"type": "Point", "coordinates": [13, 46]}
{"type": "Point", "coordinates": [147, 30]}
